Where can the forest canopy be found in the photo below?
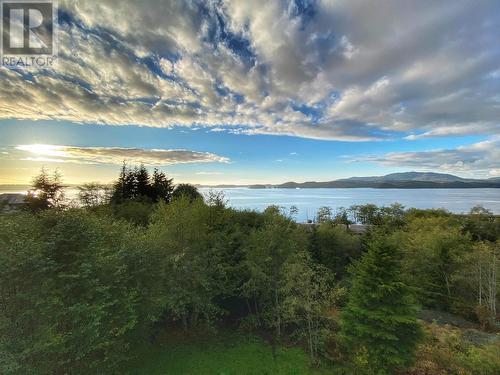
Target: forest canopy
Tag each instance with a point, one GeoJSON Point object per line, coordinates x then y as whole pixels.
{"type": "Point", "coordinates": [81, 286]}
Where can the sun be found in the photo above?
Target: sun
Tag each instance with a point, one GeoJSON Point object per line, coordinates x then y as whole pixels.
{"type": "Point", "coordinates": [41, 149]}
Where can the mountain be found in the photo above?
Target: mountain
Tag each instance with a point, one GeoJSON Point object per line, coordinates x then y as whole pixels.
{"type": "Point", "coordinates": [413, 176]}
{"type": "Point", "coordinates": [405, 180]}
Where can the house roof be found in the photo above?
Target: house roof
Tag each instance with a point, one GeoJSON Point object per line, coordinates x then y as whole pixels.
{"type": "Point", "coordinates": [12, 198]}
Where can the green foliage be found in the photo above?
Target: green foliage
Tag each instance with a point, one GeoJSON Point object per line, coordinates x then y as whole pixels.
{"type": "Point", "coordinates": [94, 194]}
{"type": "Point", "coordinates": [324, 214]}
{"type": "Point", "coordinates": [378, 325]}
{"type": "Point", "coordinates": [444, 351]}
{"type": "Point", "coordinates": [186, 191]}
{"type": "Point", "coordinates": [334, 247]}
{"type": "Point", "coordinates": [482, 225]}
{"type": "Point", "coordinates": [193, 272]}
{"type": "Point", "coordinates": [138, 213]}
{"type": "Point", "coordinates": [307, 296]}
{"type": "Point", "coordinates": [434, 250]}
{"type": "Point", "coordinates": [417, 213]}
{"type": "Point", "coordinates": [161, 187]}
{"type": "Point", "coordinates": [24, 269]}
{"type": "Point", "coordinates": [342, 217]}
{"type": "Point", "coordinates": [216, 198]}
{"type": "Point", "coordinates": [478, 284]}
{"type": "Point", "coordinates": [482, 360]}
{"type": "Point", "coordinates": [80, 287]}
{"type": "Point", "coordinates": [227, 354]}
{"type": "Point", "coordinates": [137, 185]}
{"type": "Point", "coordinates": [370, 214]}
{"type": "Point", "coordinates": [71, 288]}
{"type": "Point", "coordinates": [47, 192]}
{"type": "Point", "coordinates": [366, 214]}
{"type": "Point", "coordinates": [267, 252]}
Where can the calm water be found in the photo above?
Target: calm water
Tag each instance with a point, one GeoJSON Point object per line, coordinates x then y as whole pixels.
{"type": "Point", "coordinates": [309, 200]}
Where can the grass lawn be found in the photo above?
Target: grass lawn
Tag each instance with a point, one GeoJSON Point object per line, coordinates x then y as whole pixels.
{"type": "Point", "coordinates": [227, 354]}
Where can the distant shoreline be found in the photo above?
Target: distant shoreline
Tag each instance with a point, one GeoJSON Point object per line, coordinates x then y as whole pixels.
{"type": "Point", "coordinates": [24, 189]}
{"type": "Point", "coordinates": [403, 180]}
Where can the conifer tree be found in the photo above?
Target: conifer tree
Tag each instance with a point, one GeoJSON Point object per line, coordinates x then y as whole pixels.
{"type": "Point", "coordinates": [161, 186]}
{"type": "Point", "coordinates": [143, 187]}
{"type": "Point", "coordinates": [379, 325]}
{"type": "Point", "coordinates": [47, 192]}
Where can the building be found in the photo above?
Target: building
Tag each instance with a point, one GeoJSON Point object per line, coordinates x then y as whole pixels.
{"type": "Point", "coordinates": [12, 201]}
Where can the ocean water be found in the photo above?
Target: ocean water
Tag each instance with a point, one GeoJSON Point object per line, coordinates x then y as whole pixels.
{"type": "Point", "coordinates": [309, 200]}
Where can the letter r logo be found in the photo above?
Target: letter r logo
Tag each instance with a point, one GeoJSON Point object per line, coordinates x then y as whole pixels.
{"type": "Point", "coordinates": [27, 27]}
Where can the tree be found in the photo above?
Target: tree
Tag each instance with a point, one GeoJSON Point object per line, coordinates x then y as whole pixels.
{"type": "Point", "coordinates": [307, 295]}
{"type": "Point", "coordinates": [334, 247]}
{"type": "Point", "coordinates": [123, 187]}
{"type": "Point", "coordinates": [186, 190]}
{"type": "Point", "coordinates": [142, 184]}
{"type": "Point", "coordinates": [393, 216]}
{"type": "Point", "coordinates": [482, 224]}
{"type": "Point", "coordinates": [22, 281]}
{"type": "Point", "coordinates": [342, 217]}
{"type": "Point", "coordinates": [161, 186]}
{"type": "Point", "coordinates": [73, 288]}
{"type": "Point", "coordinates": [180, 235]}
{"type": "Point", "coordinates": [267, 252]}
{"type": "Point", "coordinates": [47, 191]}
{"type": "Point", "coordinates": [94, 194]}
{"type": "Point", "coordinates": [366, 214]}
{"type": "Point", "coordinates": [479, 281]}
{"type": "Point", "coordinates": [137, 185]}
{"type": "Point", "coordinates": [379, 323]}
{"type": "Point", "coordinates": [216, 198]}
{"type": "Point", "coordinates": [434, 249]}
{"type": "Point", "coordinates": [324, 214]}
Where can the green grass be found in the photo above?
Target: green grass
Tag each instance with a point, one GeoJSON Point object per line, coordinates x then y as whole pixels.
{"type": "Point", "coordinates": [224, 355]}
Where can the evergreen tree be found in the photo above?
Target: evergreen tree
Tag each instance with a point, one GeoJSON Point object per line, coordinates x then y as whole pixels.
{"type": "Point", "coordinates": [47, 192]}
{"type": "Point", "coordinates": [119, 188]}
{"type": "Point", "coordinates": [137, 185]}
{"type": "Point", "coordinates": [379, 325]}
{"type": "Point", "coordinates": [161, 187]}
{"type": "Point", "coordinates": [142, 186]}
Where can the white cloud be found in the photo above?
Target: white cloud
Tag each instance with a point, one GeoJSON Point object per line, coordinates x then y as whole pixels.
{"type": "Point", "coordinates": [209, 173]}
{"type": "Point", "coordinates": [345, 70]}
{"type": "Point", "coordinates": [479, 159]}
{"type": "Point", "coordinates": [115, 155]}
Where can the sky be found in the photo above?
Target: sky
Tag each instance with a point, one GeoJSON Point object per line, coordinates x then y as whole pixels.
{"type": "Point", "coordinates": [242, 92]}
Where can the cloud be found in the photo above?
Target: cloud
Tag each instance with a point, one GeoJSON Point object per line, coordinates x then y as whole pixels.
{"type": "Point", "coordinates": [480, 159]}
{"type": "Point", "coordinates": [115, 155]}
{"type": "Point", "coordinates": [209, 173]}
{"type": "Point", "coordinates": [346, 70]}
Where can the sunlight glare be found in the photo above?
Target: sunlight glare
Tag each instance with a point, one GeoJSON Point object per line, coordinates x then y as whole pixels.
{"type": "Point", "coordinates": [44, 150]}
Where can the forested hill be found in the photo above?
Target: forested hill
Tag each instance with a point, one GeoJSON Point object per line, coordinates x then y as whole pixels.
{"type": "Point", "coordinates": [407, 180]}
